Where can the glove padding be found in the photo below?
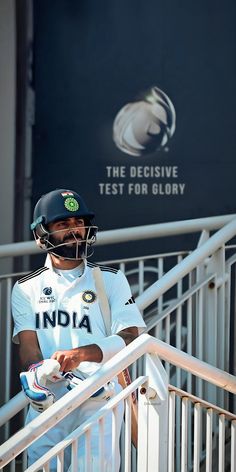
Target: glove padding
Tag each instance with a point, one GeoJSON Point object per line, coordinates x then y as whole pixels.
{"type": "Point", "coordinates": [104, 393]}
{"type": "Point", "coordinates": [34, 381]}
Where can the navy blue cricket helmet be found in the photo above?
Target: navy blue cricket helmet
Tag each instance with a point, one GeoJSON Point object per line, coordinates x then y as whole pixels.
{"type": "Point", "coordinates": [58, 205]}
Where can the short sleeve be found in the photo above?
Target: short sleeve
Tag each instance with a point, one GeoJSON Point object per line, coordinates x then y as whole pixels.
{"type": "Point", "coordinates": [124, 311]}
{"type": "Point", "coordinates": [21, 311]}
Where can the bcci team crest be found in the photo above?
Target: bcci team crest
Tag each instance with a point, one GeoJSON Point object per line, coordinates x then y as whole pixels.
{"type": "Point", "coordinates": [71, 204]}
{"type": "Point", "coordinates": [89, 296]}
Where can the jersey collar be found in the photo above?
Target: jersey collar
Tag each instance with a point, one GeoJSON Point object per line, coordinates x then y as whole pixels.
{"type": "Point", "coordinates": [48, 264]}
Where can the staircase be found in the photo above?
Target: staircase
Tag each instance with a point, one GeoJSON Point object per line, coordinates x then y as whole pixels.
{"type": "Point", "coordinates": [189, 313]}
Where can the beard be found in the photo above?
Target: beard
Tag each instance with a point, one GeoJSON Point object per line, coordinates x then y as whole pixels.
{"type": "Point", "coordinates": [69, 250]}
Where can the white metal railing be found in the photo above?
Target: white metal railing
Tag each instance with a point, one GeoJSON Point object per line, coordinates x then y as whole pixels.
{"type": "Point", "coordinates": [196, 429]}
{"type": "Point", "coordinates": [145, 271]}
{"type": "Point", "coordinates": [200, 283]}
{"type": "Point", "coordinates": [196, 316]}
{"type": "Point", "coordinates": [172, 322]}
{"type": "Point", "coordinates": [184, 342]}
{"type": "Point", "coordinates": [153, 403]}
{"type": "Point", "coordinates": [136, 233]}
{"type": "Point", "coordinates": [140, 277]}
{"type": "Point", "coordinates": [193, 260]}
{"type": "Point", "coordinates": [84, 430]}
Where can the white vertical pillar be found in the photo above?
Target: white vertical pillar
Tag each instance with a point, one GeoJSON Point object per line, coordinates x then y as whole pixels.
{"type": "Point", "coordinates": [233, 446]}
{"type": "Point", "coordinates": [184, 435]}
{"type": "Point", "coordinates": [171, 434]}
{"type": "Point", "coordinates": [209, 422]}
{"type": "Point", "coordinates": [154, 411]}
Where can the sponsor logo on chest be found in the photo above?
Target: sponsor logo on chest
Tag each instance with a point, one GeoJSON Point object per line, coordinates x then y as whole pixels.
{"type": "Point", "coordinates": [47, 296]}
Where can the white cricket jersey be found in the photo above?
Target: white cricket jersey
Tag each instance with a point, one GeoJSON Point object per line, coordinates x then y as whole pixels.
{"type": "Point", "coordinates": [65, 313]}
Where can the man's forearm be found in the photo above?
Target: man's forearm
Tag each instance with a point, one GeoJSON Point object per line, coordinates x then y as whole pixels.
{"type": "Point", "coordinates": [91, 353]}
{"type": "Point", "coordinates": [29, 350]}
{"type": "Point", "coordinates": [29, 358]}
{"type": "Point", "coordinates": [128, 335]}
{"type": "Point", "coordinates": [71, 358]}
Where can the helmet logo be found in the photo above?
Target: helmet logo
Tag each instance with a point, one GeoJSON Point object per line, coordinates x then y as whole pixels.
{"type": "Point", "coordinates": [71, 204]}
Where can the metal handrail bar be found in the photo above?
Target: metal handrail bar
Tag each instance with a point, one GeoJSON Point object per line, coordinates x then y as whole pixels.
{"type": "Point", "coordinates": [134, 233]}
{"type": "Point", "coordinates": [13, 274]}
{"type": "Point", "coordinates": [114, 261]}
{"type": "Point", "coordinates": [189, 263]}
{"type": "Point", "coordinates": [183, 394]}
{"type": "Point", "coordinates": [103, 411]}
{"type": "Point", "coordinates": [12, 407]}
{"type": "Point", "coordinates": [173, 305]}
{"type": "Point", "coordinates": [231, 260]}
{"type": "Point", "coordinates": [140, 346]}
{"type": "Point", "coordinates": [144, 258]}
{"type": "Point", "coordinates": [163, 229]}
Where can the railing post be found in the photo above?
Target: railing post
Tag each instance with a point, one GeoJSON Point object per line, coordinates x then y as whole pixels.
{"type": "Point", "coordinates": [215, 310]}
{"type": "Point", "coordinates": [153, 418]}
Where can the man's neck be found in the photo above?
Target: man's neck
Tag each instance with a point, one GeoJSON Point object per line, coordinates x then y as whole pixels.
{"type": "Point", "coordinates": [64, 264]}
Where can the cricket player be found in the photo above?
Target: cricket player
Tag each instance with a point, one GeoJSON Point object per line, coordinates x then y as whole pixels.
{"type": "Point", "coordinates": [59, 326]}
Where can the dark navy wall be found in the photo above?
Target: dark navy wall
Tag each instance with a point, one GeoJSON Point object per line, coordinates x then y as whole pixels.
{"type": "Point", "coordinates": [90, 59]}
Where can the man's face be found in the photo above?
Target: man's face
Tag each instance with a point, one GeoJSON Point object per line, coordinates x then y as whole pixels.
{"type": "Point", "coordinates": [70, 232]}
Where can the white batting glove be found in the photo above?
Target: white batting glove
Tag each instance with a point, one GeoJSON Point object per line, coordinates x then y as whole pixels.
{"type": "Point", "coordinates": [34, 381]}
{"type": "Point", "coordinates": [104, 393]}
